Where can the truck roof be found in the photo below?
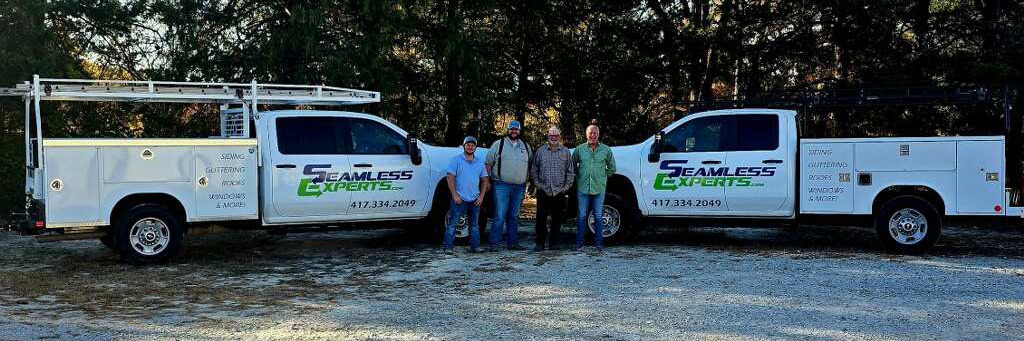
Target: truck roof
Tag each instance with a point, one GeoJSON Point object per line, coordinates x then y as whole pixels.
{"type": "Point", "coordinates": [781, 112]}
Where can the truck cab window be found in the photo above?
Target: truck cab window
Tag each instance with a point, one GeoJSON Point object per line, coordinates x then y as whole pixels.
{"type": "Point", "coordinates": [310, 135]}
{"type": "Point", "coordinates": [756, 132]}
{"type": "Point", "coordinates": [370, 137]}
{"type": "Point", "coordinates": [698, 135]}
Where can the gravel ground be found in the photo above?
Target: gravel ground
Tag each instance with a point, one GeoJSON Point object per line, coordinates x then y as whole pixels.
{"type": "Point", "coordinates": [828, 283]}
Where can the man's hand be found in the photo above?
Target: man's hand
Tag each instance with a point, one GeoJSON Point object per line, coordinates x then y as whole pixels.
{"type": "Point", "coordinates": [479, 201]}
{"type": "Point", "coordinates": [458, 199]}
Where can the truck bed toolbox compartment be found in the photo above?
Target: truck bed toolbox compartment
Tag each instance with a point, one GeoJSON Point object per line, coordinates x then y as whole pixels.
{"type": "Point", "coordinates": [213, 179]}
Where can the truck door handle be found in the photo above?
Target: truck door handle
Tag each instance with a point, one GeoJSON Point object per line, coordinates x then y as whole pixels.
{"type": "Point", "coordinates": [711, 162]}
{"type": "Point", "coordinates": [285, 165]}
{"type": "Point", "coordinates": [363, 165]}
{"type": "Point", "coordinates": [772, 161]}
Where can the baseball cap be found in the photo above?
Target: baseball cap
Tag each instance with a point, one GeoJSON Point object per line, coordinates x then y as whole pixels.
{"type": "Point", "coordinates": [469, 139]}
{"type": "Point", "coordinates": [515, 125]}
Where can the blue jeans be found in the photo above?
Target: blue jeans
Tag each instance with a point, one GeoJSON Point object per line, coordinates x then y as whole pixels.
{"type": "Point", "coordinates": [508, 198]}
{"type": "Point", "coordinates": [592, 203]}
{"type": "Point", "coordinates": [466, 207]}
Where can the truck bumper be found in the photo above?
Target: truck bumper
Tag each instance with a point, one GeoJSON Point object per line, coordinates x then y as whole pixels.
{"type": "Point", "coordinates": [33, 220]}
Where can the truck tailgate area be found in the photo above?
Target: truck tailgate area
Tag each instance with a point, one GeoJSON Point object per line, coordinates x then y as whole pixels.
{"type": "Point", "coordinates": [213, 179]}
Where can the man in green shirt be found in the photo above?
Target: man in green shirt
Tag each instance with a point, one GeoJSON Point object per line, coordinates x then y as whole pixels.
{"type": "Point", "coordinates": [594, 165]}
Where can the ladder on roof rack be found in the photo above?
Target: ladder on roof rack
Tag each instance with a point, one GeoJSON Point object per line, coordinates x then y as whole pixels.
{"type": "Point", "coordinates": [52, 89]}
{"type": "Point", "coordinates": [234, 121]}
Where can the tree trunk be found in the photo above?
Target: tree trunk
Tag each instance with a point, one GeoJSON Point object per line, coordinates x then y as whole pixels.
{"type": "Point", "coordinates": [523, 85]}
{"type": "Point", "coordinates": [669, 42]}
{"type": "Point", "coordinates": [712, 66]}
{"type": "Point", "coordinates": [453, 101]}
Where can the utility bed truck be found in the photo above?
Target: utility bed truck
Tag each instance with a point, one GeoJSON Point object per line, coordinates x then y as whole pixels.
{"type": "Point", "coordinates": [283, 170]}
{"type": "Point", "coordinates": [749, 165]}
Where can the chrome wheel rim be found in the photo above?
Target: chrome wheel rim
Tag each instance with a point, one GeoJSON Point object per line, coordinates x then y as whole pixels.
{"type": "Point", "coordinates": [150, 236]}
{"type": "Point", "coordinates": [461, 227]}
{"type": "Point", "coordinates": [908, 226]}
{"type": "Point", "coordinates": [611, 218]}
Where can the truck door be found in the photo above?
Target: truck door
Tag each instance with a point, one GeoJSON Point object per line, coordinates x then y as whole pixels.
{"type": "Point", "coordinates": [685, 181]}
{"type": "Point", "coordinates": [310, 167]}
{"type": "Point", "coordinates": [759, 164]}
{"type": "Point", "coordinates": [389, 184]}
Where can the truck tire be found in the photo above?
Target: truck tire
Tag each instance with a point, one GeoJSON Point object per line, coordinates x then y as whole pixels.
{"type": "Point", "coordinates": [437, 220]}
{"type": "Point", "coordinates": [618, 220]}
{"type": "Point", "coordinates": [148, 234]}
{"type": "Point", "coordinates": [110, 242]}
{"type": "Point", "coordinates": [462, 228]}
{"type": "Point", "coordinates": [908, 224]}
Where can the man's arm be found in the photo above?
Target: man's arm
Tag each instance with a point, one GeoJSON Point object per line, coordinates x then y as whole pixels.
{"type": "Point", "coordinates": [485, 184]}
{"type": "Point", "coordinates": [570, 174]}
{"type": "Point", "coordinates": [453, 168]}
{"type": "Point", "coordinates": [534, 168]}
{"type": "Point", "coordinates": [492, 156]}
{"type": "Point", "coordinates": [451, 188]}
{"type": "Point", "coordinates": [610, 163]}
{"type": "Point", "coordinates": [529, 161]}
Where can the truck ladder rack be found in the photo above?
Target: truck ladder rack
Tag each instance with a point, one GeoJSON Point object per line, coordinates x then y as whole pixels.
{"type": "Point", "coordinates": [51, 89]}
{"type": "Point", "coordinates": [238, 103]}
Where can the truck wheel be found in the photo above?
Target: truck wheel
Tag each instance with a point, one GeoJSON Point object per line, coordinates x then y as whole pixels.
{"type": "Point", "coordinates": [438, 219]}
{"type": "Point", "coordinates": [110, 242]}
{"type": "Point", "coordinates": [617, 220]}
{"type": "Point", "coordinates": [148, 234]}
{"type": "Point", "coordinates": [908, 224]}
{"type": "Point", "coordinates": [462, 227]}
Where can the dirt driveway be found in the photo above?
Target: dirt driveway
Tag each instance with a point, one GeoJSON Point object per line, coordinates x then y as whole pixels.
{"type": "Point", "coordinates": [827, 283]}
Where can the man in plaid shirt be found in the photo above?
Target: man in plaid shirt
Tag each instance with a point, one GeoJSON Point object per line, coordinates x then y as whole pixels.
{"type": "Point", "coordinates": [552, 173]}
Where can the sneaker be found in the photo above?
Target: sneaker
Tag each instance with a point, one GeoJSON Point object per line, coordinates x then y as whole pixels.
{"type": "Point", "coordinates": [577, 248]}
{"type": "Point", "coordinates": [477, 250]}
{"type": "Point", "coordinates": [448, 251]}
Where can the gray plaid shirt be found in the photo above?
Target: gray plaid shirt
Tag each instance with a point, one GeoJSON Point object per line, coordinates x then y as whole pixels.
{"type": "Point", "coordinates": [552, 170]}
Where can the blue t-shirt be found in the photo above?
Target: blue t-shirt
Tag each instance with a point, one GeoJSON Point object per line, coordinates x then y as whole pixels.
{"type": "Point", "coordinates": [467, 175]}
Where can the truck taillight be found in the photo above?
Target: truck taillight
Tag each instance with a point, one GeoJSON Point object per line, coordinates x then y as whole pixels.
{"type": "Point", "coordinates": [40, 224]}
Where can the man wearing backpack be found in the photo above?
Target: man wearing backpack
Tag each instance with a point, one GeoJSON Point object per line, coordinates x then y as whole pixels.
{"type": "Point", "coordinates": [508, 163]}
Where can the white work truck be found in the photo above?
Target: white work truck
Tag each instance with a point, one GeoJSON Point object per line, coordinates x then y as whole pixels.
{"type": "Point", "coordinates": [282, 169]}
{"type": "Point", "coordinates": [750, 165]}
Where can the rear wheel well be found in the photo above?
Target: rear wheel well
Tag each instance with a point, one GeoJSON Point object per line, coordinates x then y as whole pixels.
{"type": "Point", "coordinates": [162, 199]}
{"type": "Point", "coordinates": [923, 192]}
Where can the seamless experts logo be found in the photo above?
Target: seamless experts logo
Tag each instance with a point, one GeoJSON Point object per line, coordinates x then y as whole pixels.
{"type": "Point", "coordinates": [322, 180]}
{"type": "Point", "coordinates": [676, 175]}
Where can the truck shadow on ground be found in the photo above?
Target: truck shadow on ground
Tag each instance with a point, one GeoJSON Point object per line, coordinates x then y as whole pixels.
{"type": "Point", "coordinates": [822, 241]}
{"type": "Point", "coordinates": [835, 240]}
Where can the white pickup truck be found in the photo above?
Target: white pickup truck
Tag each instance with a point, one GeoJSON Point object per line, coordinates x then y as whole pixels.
{"type": "Point", "coordinates": [286, 168]}
{"type": "Point", "coordinates": [750, 164]}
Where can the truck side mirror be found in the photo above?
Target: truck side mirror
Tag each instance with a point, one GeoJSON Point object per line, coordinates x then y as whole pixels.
{"type": "Point", "coordinates": [414, 150]}
{"type": "Point", "coordinates": [655, 154]}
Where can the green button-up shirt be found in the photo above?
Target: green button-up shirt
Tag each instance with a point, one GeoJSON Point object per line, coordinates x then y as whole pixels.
{"type": "Point", "coordinates": [593, 167]}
